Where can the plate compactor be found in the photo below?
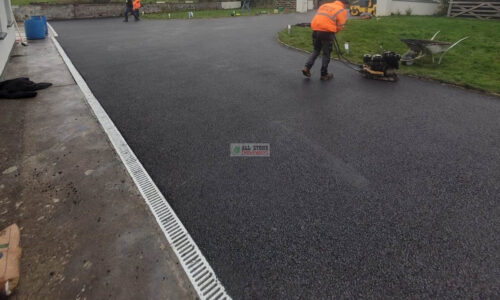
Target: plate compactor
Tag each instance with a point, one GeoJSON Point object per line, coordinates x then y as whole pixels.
{"type": "Point", "coordinates": [377, 66]}
{"type": "Point", "coordinates": [381, 66]}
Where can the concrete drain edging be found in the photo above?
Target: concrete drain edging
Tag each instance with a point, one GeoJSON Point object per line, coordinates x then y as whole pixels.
{"type": "Point", "coordinates": [195, 265]}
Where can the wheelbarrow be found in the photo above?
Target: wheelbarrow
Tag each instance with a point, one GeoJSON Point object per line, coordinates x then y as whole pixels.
{"type": "Point", "coordinates": [419, 48]}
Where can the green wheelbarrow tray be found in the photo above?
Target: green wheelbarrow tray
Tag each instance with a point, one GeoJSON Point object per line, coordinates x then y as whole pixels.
{"type": "Point", "coordinates": [419, 48]}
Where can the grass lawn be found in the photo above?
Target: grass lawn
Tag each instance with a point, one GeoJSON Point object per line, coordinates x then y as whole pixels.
{"type": "Point", "coordinates": [474, 63]}
{"type": "Point", "coordinates": [203, 14]}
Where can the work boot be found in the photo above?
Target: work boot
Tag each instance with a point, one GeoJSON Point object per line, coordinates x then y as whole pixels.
{"type": "Point", "coordinates": [125, 20]}
{"type": "Point", "coordinates": [327, 77]}
{"type": "Point", "coordinates": [306, 72]}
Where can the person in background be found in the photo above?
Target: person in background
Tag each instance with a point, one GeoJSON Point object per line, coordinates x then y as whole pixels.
{"type": "Point", "coordinates": [329, 20]}
{"type": "Point", "coordinates": [135, 6]}
{"type": "Point", "coordinates": [129, 9]}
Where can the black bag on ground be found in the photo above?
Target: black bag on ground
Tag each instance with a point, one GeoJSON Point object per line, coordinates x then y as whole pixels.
{"type": "Point", "coordinates": [20, 88]}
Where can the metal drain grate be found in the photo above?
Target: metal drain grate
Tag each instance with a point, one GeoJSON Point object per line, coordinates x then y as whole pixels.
{"type": "Point", "coordinates": [195, 265]}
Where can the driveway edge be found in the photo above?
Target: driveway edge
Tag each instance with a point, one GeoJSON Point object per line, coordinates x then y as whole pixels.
{"type": "Point", "coordinates": [407, 75]}
{"type": "Point", "coordinates": [197, 268]}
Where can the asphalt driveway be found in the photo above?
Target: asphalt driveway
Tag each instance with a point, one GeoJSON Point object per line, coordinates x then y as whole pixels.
{"type": "Point", "coordinates": [372, 189]}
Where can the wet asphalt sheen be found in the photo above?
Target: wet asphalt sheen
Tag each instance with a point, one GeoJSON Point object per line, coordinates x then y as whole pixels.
{"type": "Point", "coordinates": [372, 189]}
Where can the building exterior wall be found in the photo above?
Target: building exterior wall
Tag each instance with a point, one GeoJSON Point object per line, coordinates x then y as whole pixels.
{"type": "Point", "coordinates": [8, 42]}
{"type": "Point", "coordinates": [417, 7]}
{"type": "Point", "coordinates": [231, 5]}
{"type": "Point", "coordinates": [301, 6]}
{"type": "Point", "coordinates": [310, 4]}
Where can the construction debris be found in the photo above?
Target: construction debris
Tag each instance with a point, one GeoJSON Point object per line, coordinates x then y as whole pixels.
{"type": "Point", "coordinates": [10, 254]}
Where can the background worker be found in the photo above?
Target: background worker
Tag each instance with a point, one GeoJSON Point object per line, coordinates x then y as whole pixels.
{"type": "Point", "coordinates": [129, 9]}
{"type": "Point", "coordinates": [135, 6]}
{"type": "Point", "coordinates": [329, 20]}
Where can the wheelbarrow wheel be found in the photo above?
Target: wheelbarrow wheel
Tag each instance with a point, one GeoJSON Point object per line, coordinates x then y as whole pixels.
{"type": "Point", "coordinates": [354, 12]}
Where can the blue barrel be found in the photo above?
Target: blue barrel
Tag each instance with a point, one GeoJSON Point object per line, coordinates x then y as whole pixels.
{"type": "Point", "coordinates": [35, 29]}
{"type": "Point", "coordinates": [44, 19]}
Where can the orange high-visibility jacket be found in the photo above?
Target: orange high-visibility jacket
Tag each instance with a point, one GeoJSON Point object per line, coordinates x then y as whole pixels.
{"type": "Point", "coordinates": [330, 17]}
{"type": "Point", "coordinates": [136, 4]}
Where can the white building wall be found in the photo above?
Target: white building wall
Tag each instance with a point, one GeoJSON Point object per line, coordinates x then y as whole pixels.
{"type": "Point", "coordinates": [310, 4]}
{"type": "Point", "coordinates": [383, 8]}
{"type": "Point", "coordinates": [230, 5]}
{"type": "Point", "coordinates": [301, 6]}
{"type": "Point", "coordinates": [420, 7]}
{"type": "Point", "coordinates": [8, 42]}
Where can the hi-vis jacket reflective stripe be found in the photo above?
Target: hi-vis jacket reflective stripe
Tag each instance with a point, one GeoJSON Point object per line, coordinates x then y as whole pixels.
{"type": "Point", "coordinates": [136, 4]}
{"type": "Point", "coordinates": [330, 17]}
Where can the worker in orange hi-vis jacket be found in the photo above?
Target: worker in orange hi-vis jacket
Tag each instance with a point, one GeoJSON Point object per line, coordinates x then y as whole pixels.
{"type": "Point", "coordinates": [329, 20]}
{"type": "Point", "coordinates": [135, 6]}
{"type": "Point", "coordinates": [129, 8]}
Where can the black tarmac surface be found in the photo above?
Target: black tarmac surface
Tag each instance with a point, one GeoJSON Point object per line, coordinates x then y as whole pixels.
{"type": "Point", "coordinates": [372, 189]}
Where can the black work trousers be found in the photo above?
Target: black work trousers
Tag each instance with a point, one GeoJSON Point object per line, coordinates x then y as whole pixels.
{"type": "Point", "coordinates": [322, 42]}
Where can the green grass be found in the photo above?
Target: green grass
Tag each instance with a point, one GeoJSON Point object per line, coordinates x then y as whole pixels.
{"type": "Point", "coordinates": [204, 14]}
{"type": "Point", "coordinates": [474, 63]}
